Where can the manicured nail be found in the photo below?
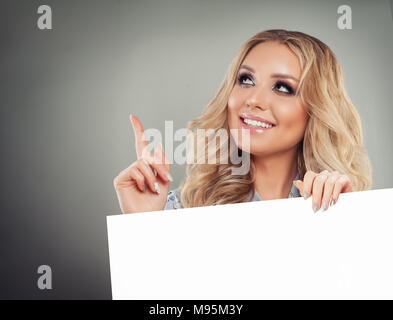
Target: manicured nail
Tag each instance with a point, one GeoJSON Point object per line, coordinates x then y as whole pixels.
{"type": "Point", "coordinates": [157, 187]}
{"type": "Point", "coordinates": [332, 202]}
{"type": "Point", "coordinates": [315, 207]}
{"type": "Point", "coordinates": [305, 195]}
{"type": "Point", "coordinates": [168, 175]}
{"type": "Point", "coordinates": [324, 206]}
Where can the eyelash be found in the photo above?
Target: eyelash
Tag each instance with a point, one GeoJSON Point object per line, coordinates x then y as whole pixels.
{"type": "Point", "coordinates": [242, 76]}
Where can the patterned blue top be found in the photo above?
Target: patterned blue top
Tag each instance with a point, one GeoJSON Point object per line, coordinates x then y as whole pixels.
{"type": "Point", "coordinates": [173, 199]}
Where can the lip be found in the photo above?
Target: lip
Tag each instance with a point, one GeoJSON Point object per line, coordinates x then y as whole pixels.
{"type": "Point", "coordinates": [253, 117]}
{"type": "Point", "coordinates": [257, 118]}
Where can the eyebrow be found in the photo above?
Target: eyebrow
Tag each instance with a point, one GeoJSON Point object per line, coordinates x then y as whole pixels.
{"type": "Point", "coordinates": [274, 75]}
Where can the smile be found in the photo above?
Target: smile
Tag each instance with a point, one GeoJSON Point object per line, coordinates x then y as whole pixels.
{"type": "Point", "coordinates": [255, 123]}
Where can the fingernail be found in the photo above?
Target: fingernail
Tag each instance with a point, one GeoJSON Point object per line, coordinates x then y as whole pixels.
{"type": "Point", "coordinates": [332, 202]}
{"type": "Point", "coordinates": [168, 175]}
{"type": "Point", "coordinates": [144, 187]}
{"type": "Point", "coordinates": [157, 187]}
{"type": "Point", "coordinates": [324, 206]}
{"type": "Point", "coordinates": [305, 195]}
{"type": "Point", "coordinates": [315, 208]}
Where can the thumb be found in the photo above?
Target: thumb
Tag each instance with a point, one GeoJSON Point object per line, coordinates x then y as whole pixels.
{"type": "Point", "coordinates": [299, 184]}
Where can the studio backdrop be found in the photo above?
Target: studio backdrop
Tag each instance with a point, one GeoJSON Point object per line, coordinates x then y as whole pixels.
{"type": "Point", "coordinates": [67, 92]}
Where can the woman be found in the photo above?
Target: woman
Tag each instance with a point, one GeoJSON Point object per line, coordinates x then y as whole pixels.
{"type": "Point", "coordinates": [286, 90]}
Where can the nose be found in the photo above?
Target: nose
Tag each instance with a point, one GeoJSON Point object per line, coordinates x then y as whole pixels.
{"type": "Point", "coordinates": [258, 98]}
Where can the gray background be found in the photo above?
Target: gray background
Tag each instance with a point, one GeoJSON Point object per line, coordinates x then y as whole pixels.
{"type": "Point", "coordinates": [66, 95]}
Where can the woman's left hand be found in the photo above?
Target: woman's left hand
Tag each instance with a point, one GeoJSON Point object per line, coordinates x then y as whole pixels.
{"type": "Point", "coordinates": [325, 188]}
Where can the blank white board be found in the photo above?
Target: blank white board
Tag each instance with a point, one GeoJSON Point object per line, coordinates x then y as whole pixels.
{"type": "Point", "coordinates": [277, 249]}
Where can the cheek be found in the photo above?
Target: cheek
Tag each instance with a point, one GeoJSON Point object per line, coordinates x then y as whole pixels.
{"type": "Point", "coordinates": [233, 108]}
{"type": "Point", "coordinates": [293, 121]}
{"type": "Point", "coordinates": [233, 102]}
{"type": "Point", "coordinates": [292, 118]}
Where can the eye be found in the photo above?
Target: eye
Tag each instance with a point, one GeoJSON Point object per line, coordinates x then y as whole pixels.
{"type": "Point", "coordinates": [245, 78]}
{"type": "Point", "coordinates": [282, 87]}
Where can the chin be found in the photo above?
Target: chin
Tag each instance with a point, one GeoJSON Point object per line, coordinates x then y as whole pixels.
{"type": "Point", "coordinates": [259, 148]}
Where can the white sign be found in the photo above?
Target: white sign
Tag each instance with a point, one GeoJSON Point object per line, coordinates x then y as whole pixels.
{"type": "Point", "coordinates": [278, 249]}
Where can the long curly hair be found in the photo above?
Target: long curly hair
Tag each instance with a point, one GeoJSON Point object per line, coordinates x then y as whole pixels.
{"type": "Point", "coordinates": [333, 138]}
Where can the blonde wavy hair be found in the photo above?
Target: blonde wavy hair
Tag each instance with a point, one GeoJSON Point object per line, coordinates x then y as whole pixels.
{"type": "Point", "coordinates": [332, 140]}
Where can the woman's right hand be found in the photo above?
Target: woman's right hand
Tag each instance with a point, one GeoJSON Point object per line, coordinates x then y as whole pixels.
{"type": "Point", "coordinates": [137, 187]}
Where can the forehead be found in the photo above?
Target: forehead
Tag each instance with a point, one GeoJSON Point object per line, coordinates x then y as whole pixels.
{"type": "Point", "coordinates": [273, 57]}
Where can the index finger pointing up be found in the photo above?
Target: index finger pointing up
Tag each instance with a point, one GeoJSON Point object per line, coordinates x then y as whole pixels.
{"type": "Point", "coordinates": [140, 141]}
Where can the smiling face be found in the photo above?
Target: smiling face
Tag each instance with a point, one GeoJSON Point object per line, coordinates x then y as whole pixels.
{"type": "Point", "coordinates": [264, 102]}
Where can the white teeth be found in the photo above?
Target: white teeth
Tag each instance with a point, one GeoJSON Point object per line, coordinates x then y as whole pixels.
{"type": "Point", "coordinates": [256, 123]}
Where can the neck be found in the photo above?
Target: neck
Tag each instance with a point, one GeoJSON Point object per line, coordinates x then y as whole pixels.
{"type": "Point", "coordinates": [275, 174]}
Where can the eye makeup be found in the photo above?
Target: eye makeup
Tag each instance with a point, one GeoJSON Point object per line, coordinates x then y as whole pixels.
{"type": "Point", "coordinates": [280, 86]}
{"type": "Point", "coordinates": [243, 76]}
